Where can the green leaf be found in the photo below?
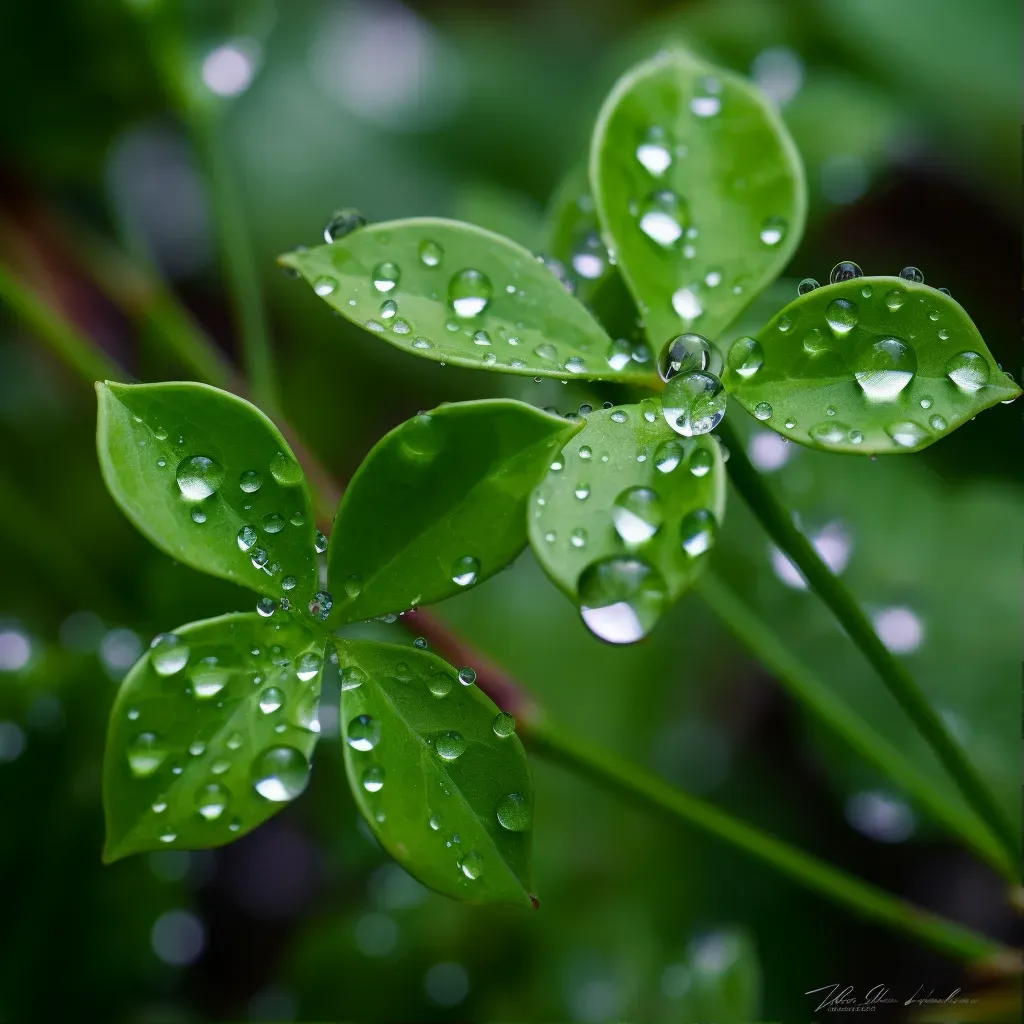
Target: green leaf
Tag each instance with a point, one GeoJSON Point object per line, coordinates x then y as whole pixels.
{"type": "Point", "coordinates": [700, 191]}
{"type": "Point", "coordinates": [211, 733]}
{"type": "Point", "coordinates": [609, 522]}
{"type": "Point", "coordinates": [435, 771]}
{"type": "Point", "coordinates": [458, 294]}
{"type": "Point", "coordinates": [870, 365]}
{"type": "Point", "coordinates": [439, 504]}
{"type": "Point", "coordinates": [211, 481]}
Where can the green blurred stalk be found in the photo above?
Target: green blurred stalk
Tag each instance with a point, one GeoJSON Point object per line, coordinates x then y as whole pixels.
{"type": "Point", "coordinates": [778, 523]}
{"type": "Point", "coordinates": [759, 638]}
{"type": "Point", "coordinates": [862, 899]}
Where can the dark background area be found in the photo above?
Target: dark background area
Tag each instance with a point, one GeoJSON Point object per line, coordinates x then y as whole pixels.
{"type": "Point", "coordinates": [907, 117]}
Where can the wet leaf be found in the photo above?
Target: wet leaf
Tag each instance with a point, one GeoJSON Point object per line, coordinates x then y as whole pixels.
{"type": "Point", "coordinates": [439, 505]}
{"type": "Point", "coordinates": [211, 481]}
{"type": "Point", "coordinates": [870, 365]}
{"type": "Point", "coordinates": [459, 294]}
{"type": "Point", "coordinates": [700, 192]}
{"type": "Point", "coordinates": [625, 516]}
{"type": "Point", "coordinates": [211, 733]}
{"type": "Point", "coordinates": [442, 784]}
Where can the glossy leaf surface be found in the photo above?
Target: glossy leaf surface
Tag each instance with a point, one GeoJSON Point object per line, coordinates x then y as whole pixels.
{"type": "Point", "coordinates": [436, 773]}
{"type": "Point", "coordinates": [615, 510]}
{"type": "Point", "coordinates": [211, 481]}
{"type": "Point", "coordinates": [458, 294]}
{"type": "Point", "coordinates": [699, 189]}
{"type": "Point", "coordinates": [439, 504]}
{"type": "Point", "coordinates": [870, 365]}
{"type": "Point", "coordinates": [211, 733]}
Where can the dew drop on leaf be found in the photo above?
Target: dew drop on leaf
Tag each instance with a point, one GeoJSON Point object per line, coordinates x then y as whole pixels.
{"type": "Point", "coordinates": [198, 477]}
{"type": "Point", "coordinates": [373, 779]}
{"type": "Point", "coordinates": [687, 353]}
{"type": "Point", "coordinates": [363, 733]}
{"type": "Point", "coordinates": [440, 684]}
{"type": "Point", "coordinates": [701, 461]}
{"type": "Point", "coordinates": [324, 286]}
{"type": "Point", "coordinates": [663, 217]}
{"type": "Point", "coordinates": [504, 725]}
{"type": "Point", "coordinates": [342, 223]}
{"type": "Point", "coordinates": [450, 745]}
{"type": "Point", "coordinates": [637, 515]}
{"type": "Point", "coordinates": [285, 470]}
{"type": "Point", "coordinates": [773, 231]}
{"type": "Point", "coordinates": [763, 411]}
{"type": "Point", "coordinates": [621, 598]}
{"type": "Point", "coordinates": [968, 371]}
{"type": "Point", "coordinates": [211, 801]}
{"type": "Point", "coordinates": [430, 253]}
{"type": "Point", "coordinates": [280, 774]}
{"type": "Point", "coordinates": [308, 666]}
{"type": "Point", "coordinates": [208, 678]}
{"type": "Point", "coordinates": [273, 522]}
{"type": "Point", "coordinates": [845, 271]}
{"type": "Point", "coordinates": [271, 700]}
{"type": "Point", "coordinates": [808, 284]}
{"type": "Point", "coordinates": [746, 357]}
{"type": "Point", "coordinates": [653, 153]}
{"type": "Point", "coordinates": [250, 481]}
{"type": "Point", "coordinates": [145, 755]}
{"type": "Point", "coordinates": [884, 367]}
{"type": "Point", "coordinates": [693, 403]}
{"type": "Point", "coordinates": [386, 276]}
{"type": "Point", "coordinates": [465, 571]}
{"type": "Point", "coordinates": [266, 606]}
{"type": "Point", "coordinates": [320, 605]}
{"type": "Point", "coordinates": [469, 293]}
{"type": "Point", "coordinates": [467, 676]}
{"type": "Point", "coordinates": [513, 813]}
{"type": "Point", "coordinates": [697, 531]}
{"type": "Point", "coordinates": [906, 433]}
{"type": "Point", "coordinates": [912, 274]}
{"type": "Point", "coordinates": [472, 866]}
{"type": "Point", "coordinates": [667, 456]}
{"type": "Point", "coordinates": [168, 654]}
{"type": "Point", "coordinates": [841, 315]}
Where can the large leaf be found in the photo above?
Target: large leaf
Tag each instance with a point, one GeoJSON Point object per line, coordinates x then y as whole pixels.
{"type": "Point", "coordinates": [437, 772]}
{"type": "Point", "coordinates": [869, 365]}
{"type": "Point", "coordinates": [699, 189]}
{"type": "Point", "coordinates": [211, 733]}
{"type": "Point", "coordinates": [211, 481]}
{"type": "Point", "coordinates": [625, 516]}
{"type": "Point", "coordinates": [439, 504]}
{"type": "Point", "coordinates": [458, 294]}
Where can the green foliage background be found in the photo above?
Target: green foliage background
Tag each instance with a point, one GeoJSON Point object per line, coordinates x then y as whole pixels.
{"type": "Point", "coordinates": [906, 118]}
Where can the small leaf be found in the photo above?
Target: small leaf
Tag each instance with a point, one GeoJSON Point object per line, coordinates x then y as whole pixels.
{"type": "Point", "coordinates": [211, 733]}
{"type": "Point", "coordinates": [439, 504]}
{"type": "Point", "coordinates": [700, 191]}
{"type": "Point", "coordinates": [211, 481]}
{"type": "Point", "coordinates": [458, 294]}
{"type": "Point", "coordinates": [870, 365]}
{"type": "Point", "coordinates": [624, 518]}
{"type": "Point", "coordinates": [441, 781]}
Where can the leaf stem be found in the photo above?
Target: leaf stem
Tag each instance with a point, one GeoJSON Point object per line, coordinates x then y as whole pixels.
{"type": "Point", "coordinates": [778, 523]}
{"type": "Point", "coordinates": [755, 634]}
{"type": "Point", "coordinates": [863, 899]}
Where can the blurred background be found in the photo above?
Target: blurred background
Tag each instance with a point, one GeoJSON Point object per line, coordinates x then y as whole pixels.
{"type": "Point", "coordinates": [907, 116]}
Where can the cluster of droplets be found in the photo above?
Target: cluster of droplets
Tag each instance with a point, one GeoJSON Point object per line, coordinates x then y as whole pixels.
{"type": "Point", "coordinates": [694, 400]}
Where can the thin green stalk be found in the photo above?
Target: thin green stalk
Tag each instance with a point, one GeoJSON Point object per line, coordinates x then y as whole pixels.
{"type": "Point", "coordinates": [239, 263]}
{"type": "Point", "coordinates": [863, 899]}
{"type": "Point", "coordinates": [77, 351]}
{"type": "Point", "coordinates": [806, 687]}
{"type": "Point", "coordinates": [778, 523]}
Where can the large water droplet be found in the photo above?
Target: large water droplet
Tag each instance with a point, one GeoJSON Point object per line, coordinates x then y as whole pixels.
{"type": "Point", "coordinates": [845, 271]}
{"type": "Point", "coordinates": [420, 439]}
{"type": "Point", "coordinates": [273, 522]}
{"type": "Point", "coordinates": [693, 403]}
{"type": "Point", "coordinates": [701, 461]}
{"type": "Point", "coordinates": [208, 677]}
{"type": "Point", "coordinates": [250, 481]}
{"type": "Point", "coordinates": [246, 537]}
{"type": "Point", "coordinates": [637, 514]}
{"type": "Point", "coordinates": [763, 411]}
{"type": "Point", "coordinates": [968, 370]}
{"type": "Point", "coordinates": [841, 316]}
{"type": "Point", "coordinates": [198, 477]}
{"type": "Point", "coordinates": [450, 745]}
{"type": "Point", "coordinates": [687, 353]}
{"type": "Point", "coordinates": [884, 367]}
{"type": "Point", "coordinates": [504, 725]}
{"type": "Point", "coordinates": [513, 813]}
{"type": "Point", "coordinates": [342, 223]}
{"type": "Point", "coordinates": [472, 866]}
{"type": "Point", "coordinates": [280, 774]}
{"type": "Point", "coordinates": [145, 754]}
{"type": "Point", "coordinates": [211, 801]}
{"type": "Point", "coordinates": [667, 456]}
{"type": "Point", "coordinates": [363, 733]}
{"type": "Point", "coordinates": [829, 432]}
{"type": "Point", "coordinates": [324, 286]}
{"type": "Point", "coordinates": [386, 276]}
{"type": "Point", "coordinates": [168, 654]}
{"type": "Point", "coordinates": [808, 284]}
{"type": "Point", "coordinates": [469, 292]}
{"type": "Point", "coordinates": [654, 154]}
{"type": "Point", "coordinates": [912, 274]}
{"type": "Point", "coordinates": [697, 531]}
{"type": "Point", "coordinates": [440, 684]}
{"type": "Point", "coordinates": [907, 433]}
{"type": "Point", "coordinates": [373, 779]}
{"type": "Point", "coordinates": [285, 470]}
{"type": "Point", "coordinates": [686, 302]}
{"type": "Point", "coordinates": [271, 700]}
{"type": "Point", "coordinates": [465, 571]}
{"type": "Point", "coordinates": [352, 678]}
{"type": "Point", "coordinates": [308, 666]}
{"type": "Point", "coordinates": [663, 218]}
{"type": "Point", "coordinates": [746, 357]}
{"type": "Point", "coordinates": [621, 599]}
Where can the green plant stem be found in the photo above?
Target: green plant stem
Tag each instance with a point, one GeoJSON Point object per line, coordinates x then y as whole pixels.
{"type": "Point", "coordinates": [78, 352]}
{"type": "Point", "coordinates": [758, 637]}
{"type": "Point", "coordinates": [863, 899]}
{"type": "Point", "coordinates": [239, 263]}
{"type": "Point", "coordinates": [778, 522]}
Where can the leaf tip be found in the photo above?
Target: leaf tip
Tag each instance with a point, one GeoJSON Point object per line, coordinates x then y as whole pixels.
{"type": "Point", "coordinates": [289, 260]}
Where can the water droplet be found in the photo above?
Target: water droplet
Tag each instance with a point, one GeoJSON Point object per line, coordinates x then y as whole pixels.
{"type": "Point", "coordinates": [465, 571]}
{"type": "Point", "coordinates": [258, 557]}
{"type": "Point", "coordinates": [937, 422]}
{"type": "Point", "coordinates": [773, 231]}
{"type": "Point", "coordinates": [321, 604]}
{"type": "Point", "coordinates": [578, 537]}
{"type": "Point", "coordinates": [687, 304]}
{"type": "Point", "coordinates": [575, 364]}
{"type": "Point", "coordinates": [266, 606]}
{"type": "Point", "coordinates": [907, 433]}
{"type": "Point", "coordinates": [388, 308]}
{"type": "Point", "coordinates": [912, 274]}
{"type": "Point", "coordinates": [450, 745]}
{"type": "Point", "coordinates": [619, 354]}
{"type": "Point", "coordinates": [701, 461]}
{"type": "Point", "coordinates": [746, 357]}
{"type": "Point", "coordinates": [845, 271]}
{"type": "Point", "coordinates": [815, 343]}
{"type": "Point", "coordinates": [352, 678]}
{"type": "Point", "coordinates": [297, 519]}
{"type": "Point", "coordinates": [168, 837]}
{"type": "Point", "coordinates": [211, 801]}
{"type": "Point", "coordinates": [808, 284]}
{"type": "Point", "coordinates": [663, 218]}
{"type": "Point", "coordinates": [697, 531]}
{"type": "Point", "coordinates": [763, 411]}
{"type": "Point", "coordinates": [585, 451]}
{"type": "Point", "coordinates": [687, 353]}
{"type": "Point", "coordinates": [420, 439]}
{"type": "Point", "coordinates": [145, 754]}
{"type": "Point", "coordinates": [829, 432]}
{"type": "Point", "coordinates": [168, 654]}
{"type": "Point", "coordinates": [469, 292]}
{"type": "Point", "coordinates": [790, 423]}
{"type": "Point", "coordinates": [289, 583]}
{"type": "Point", "coordinates": [250, 481]}
{"type": "Point", "coordinates": [198, 516]}
{"type": "Point", "coordinates": [707, 103]}
{"type": "Point", "coordinates": [513, 813]}
{"type": "Point", "coordinates": [841, 316]}
{"type": "Point", "coordinates": [343, 222]}
{"type": "Point", "coordinates": [430, 253]}
{"type": "Point", "coordinates": [280, 774]}
{"type": "Point", "coordinates": [621, 599]}
{"type": "Point", "coordinates": [637, 514]}
{"type": "Point", "coordinates": [546, 351]}
{"type": "Point", "coordinates": [208, 677]}
{"type": "Point", "coordinates": [440, 684]}
{"type": "Point", "coordinates": [273, 523]}
{"type": "Point", "coordinates": [968, 370]}
{"type": "Point", "coordinates": [324, 286]}
{"type": "Point", "coordinates": [198, 477]}
{"type": "Point", "coordinates": [582, 492]}
{"type": "Point", "coordinates": [386, 276]}
{"type": "Point", "coordinates": [504, 725]}
{"type": "Point", "coordinates": [653, 154]}
{"type": "Point", "coordinates": [434, 821]}
{"type": "Point", "coordinates": [308, 666]}
{"type": "Point", "coordinates": [285, 470]}
{"type": "Point", "coordinates": [693, 403]}
{"type": "Point", "coordinates": [472, 866]}
{"type": "Point", "coordinates": [363, 733]}
{"type": "Point", "coordinates": [467, 676]}
{"type": "Point", "coordinates": [373, 779]}
{"type": "Point", "coordinates": [319, 543]}
{"type": "Point", "coordinates": [668, 455]}
{"type": "Point", "coordinates": [884, 367]}
{"type": "Point", "coordinates": [271, 700]}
